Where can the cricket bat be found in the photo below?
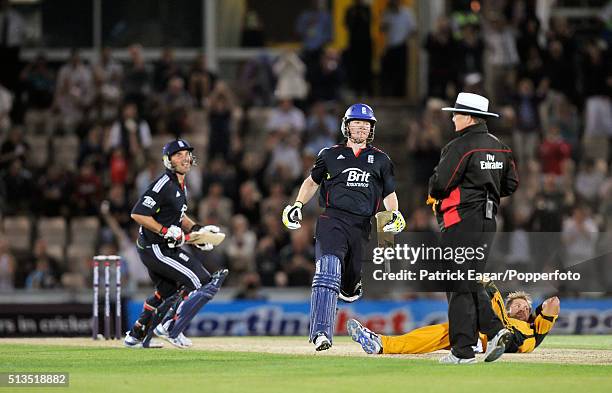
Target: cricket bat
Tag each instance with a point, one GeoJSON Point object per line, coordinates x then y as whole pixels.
{"type": "Point", "coordinates": [385, 239]}
{"type": "Point", "coordinates": [202, 236]}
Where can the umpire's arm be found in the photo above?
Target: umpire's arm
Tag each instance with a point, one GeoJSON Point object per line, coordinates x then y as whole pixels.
{"type": "Point", "coordinates": [449, 171]}
{"type": "Point", "coordinates": [510, 180]}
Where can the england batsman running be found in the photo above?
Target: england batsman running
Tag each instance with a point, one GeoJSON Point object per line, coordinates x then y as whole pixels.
{"type": "Point", "coordinates": [354, 178]}
{"type": "Point", "coordinates": [161, 214]}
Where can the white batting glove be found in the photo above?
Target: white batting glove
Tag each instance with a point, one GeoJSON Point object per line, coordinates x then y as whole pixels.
{"type": "Point", "coordinates": [292, 215]}
{"type": "Point", "coordinates": [397, 223]}
{"type": "Point", "coordinates": [174, 235]}
{"type": "Point", "coordinates": [212, 228]}
{"type": "Point", "coordinates": [204, 246]}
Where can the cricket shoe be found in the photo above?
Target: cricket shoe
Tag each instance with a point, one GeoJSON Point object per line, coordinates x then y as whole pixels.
{"type": "Point", "coordinates": [321, 342]}
{"type": "Point", "coordinates": [132, 342]}
{"type": "Point", "coordinates": [161, 331]}
{"type": "Point", "coordinates": [497, 346]}
{"type": "Point", "coordinates": [452, 359]}
{"type": "Point", "coordinates": [369, 341]}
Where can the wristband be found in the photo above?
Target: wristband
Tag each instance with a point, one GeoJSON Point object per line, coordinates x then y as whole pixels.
{"type": "Point", "coordinates": [196, 227]}
{"type": "Point", "coordinates": [163, 231]}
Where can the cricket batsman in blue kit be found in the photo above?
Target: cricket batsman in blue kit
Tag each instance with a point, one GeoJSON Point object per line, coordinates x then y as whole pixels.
{"type": "Point", "coordinates": [353, 178]}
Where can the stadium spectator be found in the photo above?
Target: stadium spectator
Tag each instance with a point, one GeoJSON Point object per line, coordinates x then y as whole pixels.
{"type": "Point", "coordinates": [18, 185]}
{"type": "Point", "coordinates": [248, 204]}
{"type": "Point", "coordinates": [597, 89]}
{"type": "Point", "coordinates": [87, 192]}
{"type": "Point", "coordinates": [47, 272]}
{"type": "Point", "coordinates": [75, 93]}
{"type": "Point", "coordinates": [240, 247]}
{"type": "Point", "coordinates": [285, 118]}
{"type": "Point", "coordinates": [165, 69]}
{"type": "Point", "coordinates": [526, 133]}
{"type": "Point", "coordinates": [39, 86]}
{"type": "Point", "coordinates": [201, 81]}
{"type": "Point", "coordinates": [108, 76]}
{"type": "Point", "coordinates": [218, 171]}
{"type": "Point", "coordinates": [249, 288]}
{"type": "Point", "coordinates": [216, 202]}
{"type": "Point", "coordinates": [92, 148]}
{"type": "Point", "coordinates": [440, 46]}
{"type": "Point", "coordinates": [256, 82]}
{"type": "Point", "coordinates": [6, 106]}
{"type": "Point", "coordinates": [126, 240]}
{"type": "Point", "coordinates": [589, 178]}
{"type": "Point", "coordinates": [290, 74]}
{"type": "Point", "coordinates": [553, 151]}
{"type": "Point", "coordinates": [223, 118]}
{"type": "Point", "coordinates": [424, 142]}
{"type": "Point", "coordinates": [53, 186]}
{"type": "Point", "coordinates": [398, 24]}
{"type": "Point", "coordinates": [277, 198]}
{"type": "Point", "coordinates": [7, 267]}
{"type": "Point", "coordinates": [14, 148]}
{"type": "Point", "coordinates": [137, 83]}
{"type": "Point", "coordinates": [314, 27]}
{"type": "Point", "coordinates": [358, 55]}
{"type": "Point", "coordinates": [549, 207]}
{"type": "Point", "coordinates": [326, 77]}
{"type": "Point", "coordinates": [296, 259]}
{"type": "Point", "coordinates": [470, 50]}
{"type": "Point", "coordinates": [131, 134]}
{"type": "Point", "coordinates": [12, 35]}
{"type": "Point", "coordinates": [174, 106]}
{"type": "Point", "coordinates": [146, 176]}
{"type": "Point", "coordinates": [502, 57]}
{"type": "Point", "coordinates": [321, 128]}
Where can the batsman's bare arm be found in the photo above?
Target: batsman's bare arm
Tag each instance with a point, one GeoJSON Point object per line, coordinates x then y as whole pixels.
{"type": "Point", "coordinates": [307, 190]}
{"type": "Point", "coordinates": [187, 223]}
{"type": "Point", "coordinates": [391, 202]}
{"type": "Point", "coordinates": [148, 222]}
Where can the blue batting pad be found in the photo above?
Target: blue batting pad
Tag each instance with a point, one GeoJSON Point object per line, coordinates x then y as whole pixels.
{"type": "Point", "coordinates": [195, 301]}
{"type": "Point", "coordinates": [325, 289]}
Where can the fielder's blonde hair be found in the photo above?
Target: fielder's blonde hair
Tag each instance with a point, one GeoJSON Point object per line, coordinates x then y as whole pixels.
{"type": "Point", "coordinates": [512, 296]}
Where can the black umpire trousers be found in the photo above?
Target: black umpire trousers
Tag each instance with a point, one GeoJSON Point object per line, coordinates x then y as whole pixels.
{"type": "Point", "coordinates": [469, 306]}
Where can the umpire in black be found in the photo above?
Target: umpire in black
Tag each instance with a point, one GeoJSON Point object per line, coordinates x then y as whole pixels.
{"type": "Point", "coordinates": [475, 171]}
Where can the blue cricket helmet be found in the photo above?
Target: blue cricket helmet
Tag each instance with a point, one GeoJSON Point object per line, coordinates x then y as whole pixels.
{"type": "Point", "coordinates": [359, 112]}
{"type": "Point", "coordinates": [174, 147]}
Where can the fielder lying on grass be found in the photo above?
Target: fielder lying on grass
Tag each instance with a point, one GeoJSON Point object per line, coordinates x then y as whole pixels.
{"type": "Point", "coordinates": [529, 329]}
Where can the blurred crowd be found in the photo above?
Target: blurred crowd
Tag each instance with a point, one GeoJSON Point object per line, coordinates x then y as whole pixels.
{"type": "Point", "coordinates": [83, 139]}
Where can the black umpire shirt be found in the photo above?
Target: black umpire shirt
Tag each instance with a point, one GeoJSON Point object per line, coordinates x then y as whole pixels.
{"type": "Point", "coordinates": [166, 201]}
{"type": "Point", "coordinates": [354, 183]}
{"type": "Point", "coordinates": [474, 167]}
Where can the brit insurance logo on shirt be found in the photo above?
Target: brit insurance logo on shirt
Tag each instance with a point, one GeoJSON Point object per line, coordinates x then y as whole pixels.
{"type": "Point", "coordinates": [357, 177]}
{"type": "Point", "coordinates": [149, 202]}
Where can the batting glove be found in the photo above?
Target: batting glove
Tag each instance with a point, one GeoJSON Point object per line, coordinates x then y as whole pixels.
{"type": "Point", "coordinates": [204, 246]}
{"type": "Point", "coordinates": [174, 235]}
{"type": "Point", "coordinates": [292, 215]}
{"type": "Point", "coordinates": [212, 228]}
{"type": "Point", "coordinates": [397, 223]}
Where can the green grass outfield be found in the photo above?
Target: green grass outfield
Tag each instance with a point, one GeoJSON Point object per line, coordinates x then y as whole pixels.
{"type": "Point", "coordinates": [108, 368]}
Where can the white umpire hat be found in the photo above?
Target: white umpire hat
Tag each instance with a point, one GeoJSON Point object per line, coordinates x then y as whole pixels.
{"type": "Point", "coordinates": [471, 104]}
